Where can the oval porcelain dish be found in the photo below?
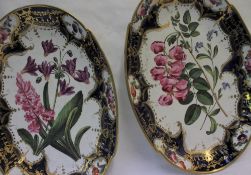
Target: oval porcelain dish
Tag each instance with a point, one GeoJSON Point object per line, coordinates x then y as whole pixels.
{"type": "Point", "coordinates": [58, 106]}
{"type": "Point", "coordinates": [188, 71]}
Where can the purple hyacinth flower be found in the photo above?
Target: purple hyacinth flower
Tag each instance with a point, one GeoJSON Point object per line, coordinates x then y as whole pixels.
{"type": "Point", "coordinates": [30, 67]}
{"type": "Point", "coordinates": [83, 76]}
{"type": "Point", "coordinates": [46, 68]}
{"type": "Point", "coordinates": [70, 66]}
{"type": "Point", "coordinates": [48, 47]}
{"type": "Point", "coordinates": [65, 89]}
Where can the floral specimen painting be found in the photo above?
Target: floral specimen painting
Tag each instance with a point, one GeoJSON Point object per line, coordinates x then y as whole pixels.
{"type": "Point", "coordinates": [54, 132]}
{"type": "Point", "coordinates": [58, 102]}
{"type": "Point", "coordinates": [188, 75]}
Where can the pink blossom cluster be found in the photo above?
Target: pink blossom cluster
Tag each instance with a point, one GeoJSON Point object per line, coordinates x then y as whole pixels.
{"type": "Point", "coordinates": [168, 70]}
{"type": "Point", "coordinates": [35, 113]}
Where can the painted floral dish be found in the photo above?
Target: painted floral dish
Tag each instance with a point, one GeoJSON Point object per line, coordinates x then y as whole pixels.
{"type": "Point", "coordinates": [58, 107]}
{"type": "Point", "coordinates": [188, 71]}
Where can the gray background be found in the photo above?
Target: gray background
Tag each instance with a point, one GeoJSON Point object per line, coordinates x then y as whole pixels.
{"type": "Point", "coordinates": [108, 20]}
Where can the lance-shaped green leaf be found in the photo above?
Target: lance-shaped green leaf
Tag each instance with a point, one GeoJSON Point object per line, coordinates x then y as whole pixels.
{"type": "Point", "coordinates": [183, 28]}
{"type": "Point", "coordinates": [188, 99]}
{"type": "Point", "coordinates": [214, 112]}
{"type": "Point", "coordinates": [193, 26]}
{"type": "Point", "coordinates": [36, 142]}
{"type": "Point", "coordinates": [202, 56]}
{"type": "Point", "coordinates": [192, 114]}
{"type": "Point", "coordinates": [195, 73]}
{"type": "Point", "coordinates": [186, 35]}
{"type": "Point", "coordinates": [79, 136]}
{"type": "Point", "coordinates": [205, 98]}
{"type": "Point", "coordinates": [209, 70]}
{"type": "Point", "coordinates": [46, 96]}
{"type": "Point", "coordinates": [187, 17]}
{"type": "Point", "coordinates": [189, 66]}
{"type": "Point", "coordinates": [195, 33]}
{"type": "Point", "coordinates": [213, 127]}
{"type": "Point", "coordinates": [201, 84]}
{"type": "Point", "coordinates": [216, 50]}
{"type": "Point", "coordinates": [216, 75]}
{"type": "Point", "coordinates": [67, 133]}
{"type": "Point", "coordinates": [57, 130]}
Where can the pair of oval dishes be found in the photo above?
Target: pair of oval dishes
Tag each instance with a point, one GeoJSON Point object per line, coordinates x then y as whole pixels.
{"type": "Point", "coordinates": [188, 71]}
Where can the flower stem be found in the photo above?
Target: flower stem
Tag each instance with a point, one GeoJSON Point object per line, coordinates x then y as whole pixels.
{"type": "Point", "coordinates": [198, 64]}
{"type": "Point", "coordinates": [207, 116]}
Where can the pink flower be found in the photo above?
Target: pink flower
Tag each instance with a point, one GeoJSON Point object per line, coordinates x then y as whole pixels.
{"type": "Point", "coordinates": [177, 68]}
{"type": "Point", "coordinates": [168, 84]}
{"type": "Point", "coordinates": [31, 104]}
{"type": "Point", "coordinates": [158, 73]}
{"type": "Point", "coordinates": [165, 100]}
{"type": "Point", "coordinates": [158, 46]}
{"type": "Point", "coordinates": [48, 115]}
{"type": "Point", "coordinates": [181, 95]}
{"type": "Point", "coordinates": [182, 85]}
{"type": "Point", "coordinates": [29, 116]}
{"type": "Point", "coordinates": [34, 127]}
{"type": "Point", "coordinates": [3, 35]}
{"type": "Point", "coordinates": [177, 53]}
{"type": "Point", "coordinates": [248, 65]}
{"type": "Point", "coordinates": [161, 60]}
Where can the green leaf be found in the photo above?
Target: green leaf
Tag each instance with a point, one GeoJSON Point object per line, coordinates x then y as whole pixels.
{"type": "Point", "coordinates": [46, 96]}
{"type": "Point", "coordinates": [187, 17]}
{"type": "Point", "coordinates": [171, 40]}
{"type": "Point", "coordinates": [195, 73]}
{"type": "Point", "coordinates": [188, 99]}
{"type": "Point", "coordinates": [202, 56]}
{"type": "Point", "coordinates": [214, 112]}
{"type": "Point", "coordinates": [219, 93]}
{"type": "Point", "coordinates": [57, 130]}
{"type": "Point", "coordinates": [189, 66]}
{"type": "Point", "coordinates": [195, 33]}
{"type": "Point", "coordinates": [183, 28]}
{"type": "Point", "coordinates": [193, 26]}
{"type": "Point", "coordinates": [213, 127]}
{"type": "Point", "coordinates": [186, 35]}
{"type": "Point", "coordinates": [184, 77]}
{"type": "Point", "coordinates": [186, 45]}
{"type": "Point", "coordinates": [204, 109]}
{"type": "Point", "coordinates": [209, 46]}
{"type": "Point", "coordinates": [27, 138]}
{"type": "Point", "coordinates": [175, 20]}
{"type": "Point", "coordinates": [215, 76]}
{"type": "Point", "coordinates": [192, 114]}
{"type": "Point", "coordinates": [177, 16]}
{"type": "Point", "coordinates": [209, 70]}
{"type": "Point", "coordinates": [67, 131]}
{"type": "Point", "coordinates": [79, 136]}
{"type": "Point", "coordinates": [205, 98]}
{"type": "Point", "coordinates": [36, 142]}
{"type": "Point", "coordinates": [201, 84]}
{"type": "Point", "coordinates": [216, 50]}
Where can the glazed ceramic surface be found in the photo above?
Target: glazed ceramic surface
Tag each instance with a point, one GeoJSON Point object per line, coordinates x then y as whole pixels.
{"type": "Point", "coordinates": [188, 66]}
{"type": "Point", "coordinates": [58, 105]}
